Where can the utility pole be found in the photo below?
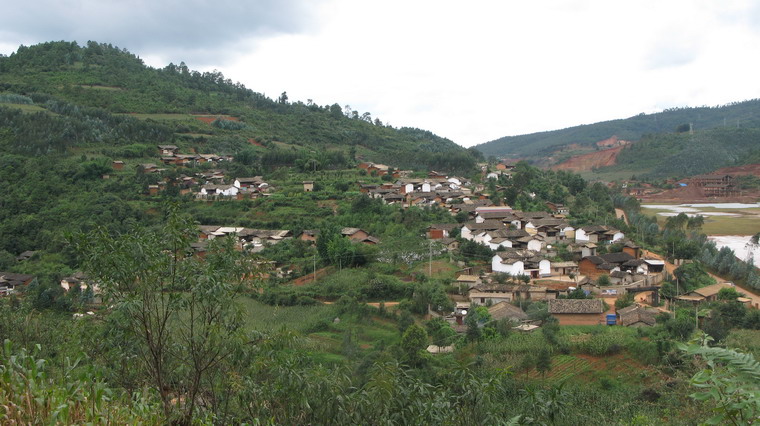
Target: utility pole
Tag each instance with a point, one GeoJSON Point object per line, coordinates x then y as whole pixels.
{"type": "Point", "coordinates": [315, 269]}
{"type": "Point", "coordinates": [430, 260]}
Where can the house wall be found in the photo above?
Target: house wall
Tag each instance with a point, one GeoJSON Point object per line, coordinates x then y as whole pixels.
{"type": "Point", "coordinates": [494, 299]}
{"type": "Point", "coordinates": [466, 233]}
{"type": "Point", "coordinates": [435, 234]}
{"type": "Point", "coordinates": [579, 319]}
{"type": "Point", "coordinates": [544, 268]}
{"type": "Point", "coordinates": [481, 238]}
{"type": "Point", "coordinates": [505, 243]}
{"type": "Point", "coordinates": [580, 235]}
{"type": "Point", "coordinates": [535, 245]}
{"type": "Point", "coordinates": [516, 268]}
{"type": "Point", "coordinates": [632, 251]}
{"type": "Point", "coordinates": [568, 232]}
{"type": "Point", "coordinates": [229, 192]}
{"type": "Point", "coordinates": [588, 268]}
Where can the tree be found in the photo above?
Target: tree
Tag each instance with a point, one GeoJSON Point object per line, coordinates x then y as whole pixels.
{"type": "Point", "coordinates": [441, 332]}
{"type": "Point", "coordinates": [728, 293]}
{"type": "Point", "coordinates": [695, 223]}
{"type": "Point", "coordinates": [178, 309]}
{"type": "Point", "coordinates": [625, 301]}
{"type": "Point", "coordinates": [413, 342]}
{"type": "Point", "coordinates": [544, 361]}
{"type": "Point", "coordinates": [603, 280]}
{"type": "Point", "coordinates": [283, 99]}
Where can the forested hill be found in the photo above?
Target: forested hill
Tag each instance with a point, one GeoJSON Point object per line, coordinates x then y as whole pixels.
{"type": "Point", "coordinates": [100, 94]}
{"type": "Point", "coordinates": [742, 114]}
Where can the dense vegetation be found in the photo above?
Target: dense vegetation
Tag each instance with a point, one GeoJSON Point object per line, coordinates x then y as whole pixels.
{"type": "Point", "coordinates": [227, 339]}
{"type": "Point", "coordinates": [740, 114]}
{"type": "Point", "coordinates": [114, 81]}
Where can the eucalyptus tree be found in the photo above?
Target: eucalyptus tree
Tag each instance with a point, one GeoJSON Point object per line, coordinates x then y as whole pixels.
{"type": "Point", "coordinates": [178, 308]}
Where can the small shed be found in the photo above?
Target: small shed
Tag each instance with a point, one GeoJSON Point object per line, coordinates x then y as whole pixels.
{"type": "Point", "coordinates": [577, 311]}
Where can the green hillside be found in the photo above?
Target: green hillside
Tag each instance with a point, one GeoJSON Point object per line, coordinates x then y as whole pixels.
{"type": "Point", "coordinates": [740, 114]}
{"type": "Point", "coordinates": [682, 154]}
{"type": "Point", "coordinates": [103, 94]}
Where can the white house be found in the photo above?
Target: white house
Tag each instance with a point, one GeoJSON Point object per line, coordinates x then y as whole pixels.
{"type": "Point", "coordinates": [544, 268]}
{"type": "Point", "coordinates": [581, 235]}
{"type": "Point", "coordinates": [535, 245]}
{"type": "Point", "coordinates": [219, 190]}
{"type": "Point", "coordinates": [507, 266]}
{"type": "Point", "coordinates": [495, 243]}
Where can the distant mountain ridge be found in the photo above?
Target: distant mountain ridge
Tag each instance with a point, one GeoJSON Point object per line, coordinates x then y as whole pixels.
{"type": "Point", "coordinates": [101, 82]}
{"type": "Point", "coordinates": [745, 114]}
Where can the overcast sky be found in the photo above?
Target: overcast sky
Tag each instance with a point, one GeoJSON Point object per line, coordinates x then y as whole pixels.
{"type": "Point", "coordinates": [469, 71]}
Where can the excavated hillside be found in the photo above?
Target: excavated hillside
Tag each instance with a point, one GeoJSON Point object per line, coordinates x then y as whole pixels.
{"type": "Point", "coordinates": [592, 160]}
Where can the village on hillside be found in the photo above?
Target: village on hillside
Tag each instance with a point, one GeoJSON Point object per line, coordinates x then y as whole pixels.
{"type": "Point", "coordinates": [580, 271]}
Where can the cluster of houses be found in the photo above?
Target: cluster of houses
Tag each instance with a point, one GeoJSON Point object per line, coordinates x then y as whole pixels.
{"type": "Point", "coordinates": [527, 245]}
{"type": "Point", "coordinates": [209, 184]}
{"type": "Point", "coordinates": [436, 189]}
{"type": "Point", "coordinates": [170, 155]}
{"type": "Point", "coordinates": [240, 188]}
{"type": "Point", "coordinates": [356, 235]}
{"type": "Point", "coordinates": [252, 240]}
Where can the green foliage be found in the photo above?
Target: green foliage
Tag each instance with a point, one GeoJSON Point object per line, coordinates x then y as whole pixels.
{"type": "Point", "coordinates": [30, 394]}
{"type": "Point", "coordinates": [608, 341]}
{"type": "Point", "coordinates": [680, 327]}
{"type": "Point", "coordinates": [179, 308]}
{"type": "Point", "coordinates": [440, 331]}
{"type": "Point", "coordinates": [625, 301]}
{"type": "Point", "coordinates": [729, 383]}
{"type": "Point", "coordinates": [413, 343]}
{"type": "Point", "coordinates": [544, 361]}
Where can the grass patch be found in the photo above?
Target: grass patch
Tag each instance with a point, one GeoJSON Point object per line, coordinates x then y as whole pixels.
{"type": "Point", "coordinates": [25, 108]}
{"type": "Point", "coordinates": [106, 88]}
{"type": "Point", "coordinates": [727, 225]}
{"type": "Point", "coordinates": [442, 269]}
{"type": "Point", "coordinates": [261, 317]}
{"type": "Point", "coordinates": [159, 117]}
{"type": "Point", "coordinates": [747, 223]}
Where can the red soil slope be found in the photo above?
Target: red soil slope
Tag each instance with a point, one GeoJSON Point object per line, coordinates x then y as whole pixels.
{"type": "Point", "coordinates": [589, 161]}
{"type": "Point", "coordinates": [208, 119]}
{"type": "Point", "coordinates": [749, 169]}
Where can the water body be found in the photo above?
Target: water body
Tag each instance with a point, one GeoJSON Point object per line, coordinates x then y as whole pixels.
{"type": "Point", "coordinates": [737, 243]}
